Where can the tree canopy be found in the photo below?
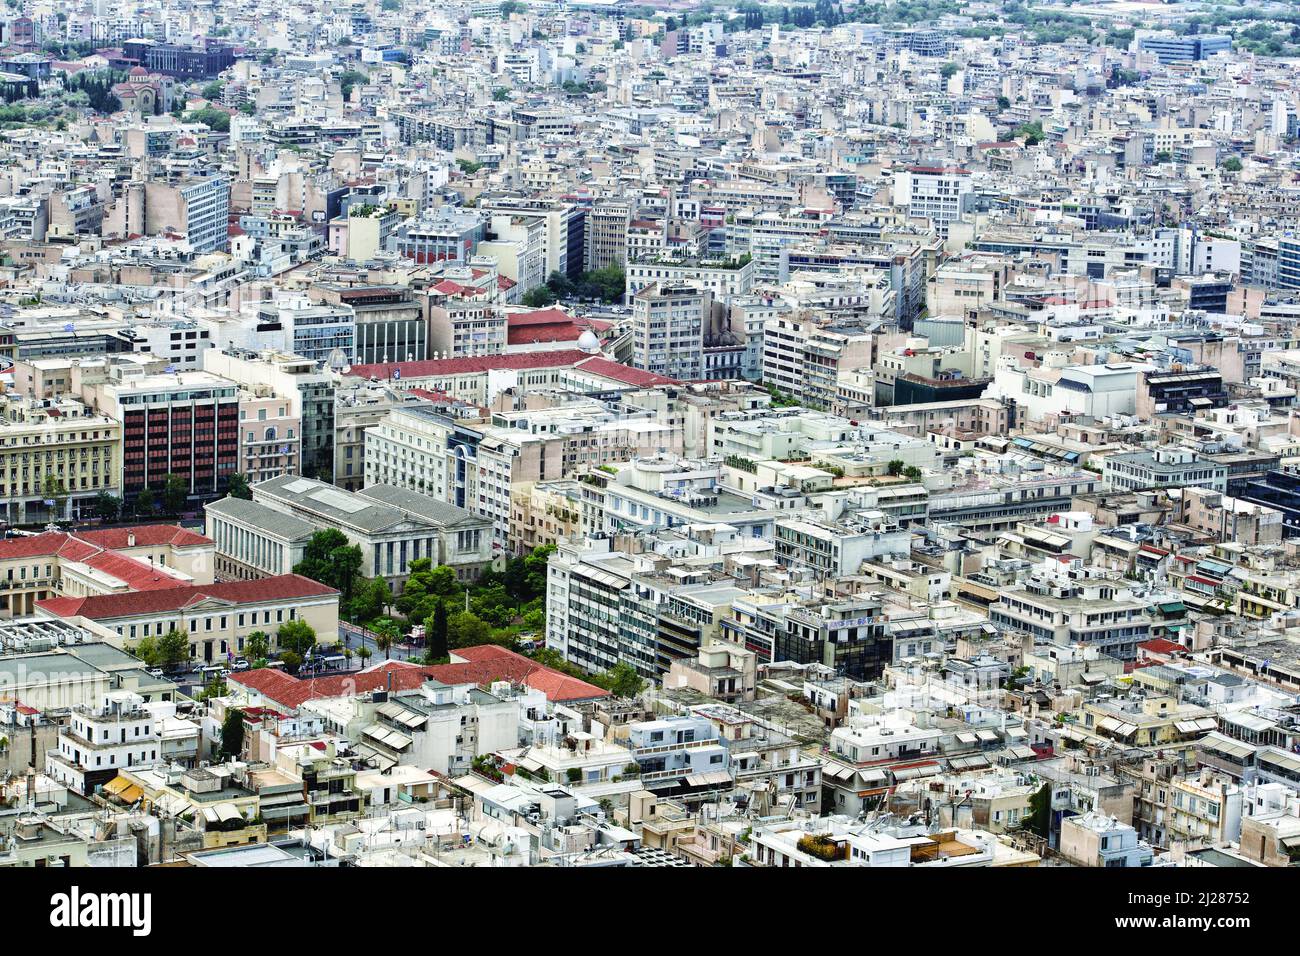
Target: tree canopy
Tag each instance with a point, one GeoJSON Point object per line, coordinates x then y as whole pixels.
{"type": "Point", "coordinates": [331, 560]}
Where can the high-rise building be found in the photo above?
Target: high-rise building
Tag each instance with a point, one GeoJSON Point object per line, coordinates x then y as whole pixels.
{"type": "Point", "coordinates": [173, 423]}
{"type": "Point", "coordinates": [668, 325]}
{"type": "Point", "coordinates": [390, 326]}
{"type": "Point", "coordinates": [308, 387]}
{"type": "Point", "coordinates": [607, 234]}
{"type": "Point", "coordinates": [198, 209]}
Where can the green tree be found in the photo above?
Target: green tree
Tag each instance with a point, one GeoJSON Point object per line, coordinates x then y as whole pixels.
{"type": "Point", "coordinates": [1231, 165]}
{"type": "Point", "coordinates": [501, 94]}
{"type": "Point", "coordinates": [948, 70]}
{"type": "Point", "coordinates": [107, 507]}
{"type": "Point", "coordinates": [1031, 132]}
{"type": "Point", "coordinates": [144, 502]}
{"type": "Point", "coordinates": [173, 648]}
{"type": "Point", "coordinates": [363, 652]}
{"type": "Point", "coordinates": [55, 491]}
{"type": "Point", "coordinates": [435, 633]}
{"type": "Point", "coordinates": [372, 599]}
{"type": "Point", "coordinates": [621, 680]}
{"type": "Point", "coordinates": [386, 635]}
{"type": "Point", "coordinates": [425, 587]}
{"type": "Point", "coordinates": [232, 733]}
{"type": "Point", "coordinates": [1039, 820]}
{"type": "Point", "coordinates": [292, 661]}
{"type": "Point", "coordinates": [535, 564]}
{"type": "Point", "coordinates": [212, 91]}
{"type": "Point", "coordinates": [147, 651]}
{"type": "Point", "coordinates": [331, 560]}
{"type": "Point", "coordinates": [539, 297]}
{"type": "Point", "coordinates": [297, 636]}
{"type": "Point", "coordinates": [215, 687]}
{"type": "Point", "coordinates": [238, 487]}
{"type": "Point", "coordinates": [257, 645]}
{"type": "Point", "coordinates": [895, 467]}
{"type": "Point", "coordinates": [175, 493]}
{"type": "Point", "coordinates": [350, 79]}
{"type": "Point", "coordinates": [211, 117]}
{"type": "Point", "coordinates": [465, 629]}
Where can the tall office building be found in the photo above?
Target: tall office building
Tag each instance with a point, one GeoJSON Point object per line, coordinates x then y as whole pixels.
{"type": "Point", "coordinates": [668, 330]}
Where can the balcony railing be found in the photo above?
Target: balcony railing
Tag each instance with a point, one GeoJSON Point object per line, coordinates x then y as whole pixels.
{"type": "Point", "coordinates": [668, 748]}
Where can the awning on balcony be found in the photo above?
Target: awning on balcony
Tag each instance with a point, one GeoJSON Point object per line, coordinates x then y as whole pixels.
{"type": "Point", "coordinates": [872, 777]}
{"type": "Point", "coordinates": [1021, 753]}
{"type": "Point", "coordinates": [711, 778]}
{"type": "Point", "coordinates": [1199, 725]}
{"type": "Point", "coordinates": [123, 789]}
{"type": "Point", "coordinates": [285, 812]}
{"type": "Point", "coordinates": [1227, 747]}
{"type": "Point", "coordinates": [369, 754]}
{"type": "Point", "coordinates": [911, 773]}
{"type": "Point", "coordinates": [837, 773]}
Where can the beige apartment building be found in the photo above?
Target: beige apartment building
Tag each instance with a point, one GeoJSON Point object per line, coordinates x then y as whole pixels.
{"type": "Point", "coordinates": [269, 434]}
{"type": "Point", "coordinates": [217, 618]}
{"type": "Point", "coordinates": [544, 512]}
{"type": "Point", "coordinates": [33, 569]}
{"type": "Point", "coordinates": [55, 451]}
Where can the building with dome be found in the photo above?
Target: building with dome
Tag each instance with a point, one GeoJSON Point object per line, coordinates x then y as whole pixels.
{"type": "Point", "coordinates": [546, 329]}
{"type": "Point", "coordinates": [144, 93]}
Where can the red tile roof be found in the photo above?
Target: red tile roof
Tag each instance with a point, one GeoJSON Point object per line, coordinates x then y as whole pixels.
{"type": "Point", "coordinates": [136, 574]}
{"type": "Point", "coordinates": [623, 373]}
{"type": "Point", "coordinates": [83, 544]}
{"type": "Point", "coordinates": [556, 332]}
{"type": "Point", "coordinates": [479, 665]}
{"type": "Point", "coordinates": [283, 587]}
{"type": "Point", "coordinates": [146, 536]}
{"type": "Point", "coordinates": [1159, 645]}
{"type": "Point", "coordinates": [548, 325]}
{"type": "Point", "coordinates": [448, 287]}
{"type": "Point", "coordinates": [429, 368]}
{"type": "Point", "coordinates": [539, 317]}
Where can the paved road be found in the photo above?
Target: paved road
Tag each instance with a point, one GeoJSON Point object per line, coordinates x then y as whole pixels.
{"type": "Point", "coordinates": [354, 637]}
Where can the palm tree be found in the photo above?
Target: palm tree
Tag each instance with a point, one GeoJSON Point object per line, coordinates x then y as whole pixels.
{"type": "Point", "coordinates": [386, 635]}
{"type": "Point", "coordinates": [257, 645]}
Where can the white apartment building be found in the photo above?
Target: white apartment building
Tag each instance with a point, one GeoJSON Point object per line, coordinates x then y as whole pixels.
{"type": "Point", "coordinates": [936, 193]}
{"type": "Point", "coordinates": [99, 740]}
